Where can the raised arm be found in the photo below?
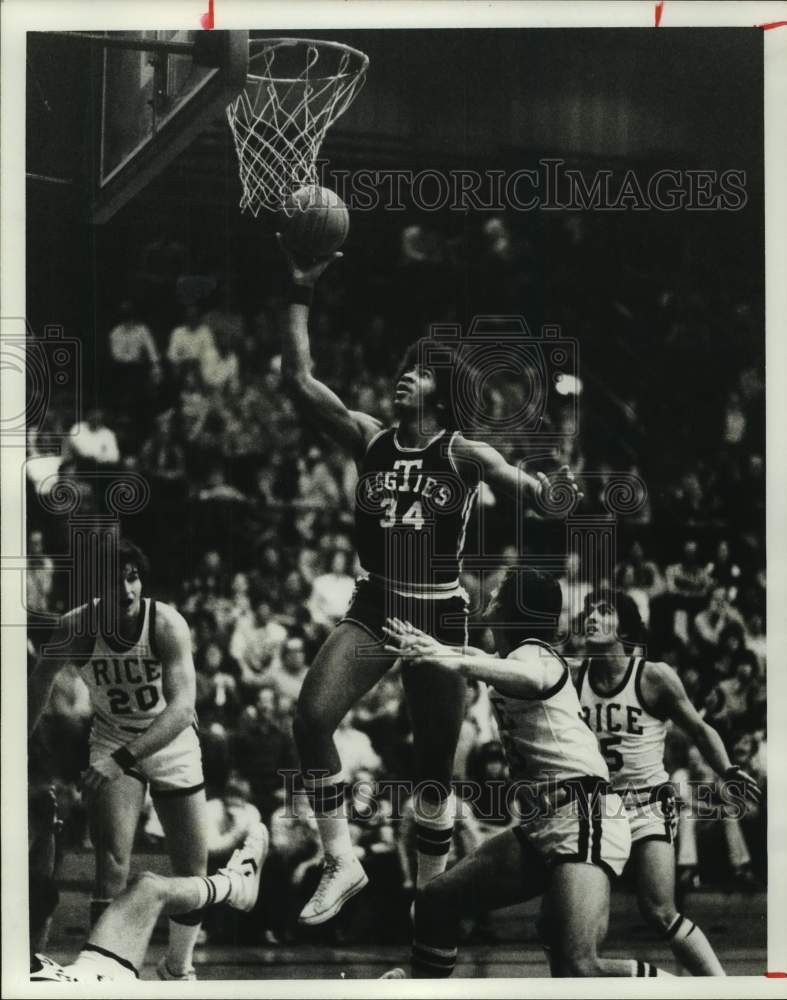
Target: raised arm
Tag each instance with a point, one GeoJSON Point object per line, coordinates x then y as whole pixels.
{"type": "Point", "coordinates": [665, 690]}
{"type": "Point", "coordinates": [350, 428]}
{"type": "Point", "coordinates": [513, 481]}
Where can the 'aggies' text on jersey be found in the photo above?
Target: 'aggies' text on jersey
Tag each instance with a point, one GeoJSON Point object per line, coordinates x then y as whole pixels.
{"type": "Point", "coordinates": [411, 514]}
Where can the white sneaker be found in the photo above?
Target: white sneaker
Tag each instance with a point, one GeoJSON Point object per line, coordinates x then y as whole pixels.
{"type": "Point", "coordinates": [244, 869]}
{"type": "Point", "coordinates": [44, 970]}
{"type": "Point", "coordinates": [163, 971]}
{"type": "Point", "coordinates": [341, 879]}
{"type": "Point", "coordinates": [394, 974]}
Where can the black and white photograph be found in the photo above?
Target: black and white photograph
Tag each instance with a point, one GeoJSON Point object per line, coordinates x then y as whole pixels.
{"type": "Point", "coordinates": [389, 526]}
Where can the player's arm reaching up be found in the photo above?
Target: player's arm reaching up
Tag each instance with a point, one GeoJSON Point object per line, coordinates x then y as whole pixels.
{"type": "Point", "coordinates": [350, 428]}
{"type": "Point", "coordinates": [664, 690]}
{"type": "Point", "coordinates": [557, 495]}
{"type": "Point", "coordinates": [179, 684]}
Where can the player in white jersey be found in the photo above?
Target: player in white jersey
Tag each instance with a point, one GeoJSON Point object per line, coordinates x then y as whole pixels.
{"type": "Point", "coordinates": [134, 654]}
{"type": "Point", "coordinates": [573, 834]}
{"type": "Point", "coordinates": [116, 947]}
{"type": "Point", "coordinates": [628, 702]}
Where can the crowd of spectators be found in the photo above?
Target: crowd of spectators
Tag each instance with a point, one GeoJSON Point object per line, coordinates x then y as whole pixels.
{"type": "Point", "coordinates": [249, 524]}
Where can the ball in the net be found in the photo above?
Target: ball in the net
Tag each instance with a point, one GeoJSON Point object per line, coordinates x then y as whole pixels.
{"type": "Point", "coordinates": [313, 222]}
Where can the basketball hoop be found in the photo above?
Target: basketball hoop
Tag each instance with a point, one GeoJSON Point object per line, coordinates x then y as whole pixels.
{"type": "Point", "coordinates": [295, 90]}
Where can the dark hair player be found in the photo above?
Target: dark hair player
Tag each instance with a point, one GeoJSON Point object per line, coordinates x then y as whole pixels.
{"type": "Point", "coordinates": [135, 657]}
{"type": "Point", "coordinates": [417, 483]}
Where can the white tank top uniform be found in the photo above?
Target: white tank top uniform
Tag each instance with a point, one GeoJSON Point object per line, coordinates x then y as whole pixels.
{"type": "Point", "coordinates": [127, 695]}
{"type": "Point", "coordinates": [568, 811]}
{"type": "Point", "coordinates": [631, 740]}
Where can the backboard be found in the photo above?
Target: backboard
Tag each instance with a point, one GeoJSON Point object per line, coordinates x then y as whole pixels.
{"type": "Point", "coordinates": [157, 91]}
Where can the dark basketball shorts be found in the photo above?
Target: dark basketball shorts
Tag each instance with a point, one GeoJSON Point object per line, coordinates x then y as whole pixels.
{"type": "Point", "coordinates": [444, 618]}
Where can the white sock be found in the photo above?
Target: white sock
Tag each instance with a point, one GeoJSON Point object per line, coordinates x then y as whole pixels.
{"type": "Point", "coordinates": [182, 938]}
{"type": "Point", "coordinates": [434, 826]}
{"type": "Point", "coordinates": [692, 949]}
{"type": "Point", "coordinates": [327, 798]}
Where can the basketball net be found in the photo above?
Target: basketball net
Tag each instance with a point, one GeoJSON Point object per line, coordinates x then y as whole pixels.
{"type": "Point", "coordinates": [297, 89]}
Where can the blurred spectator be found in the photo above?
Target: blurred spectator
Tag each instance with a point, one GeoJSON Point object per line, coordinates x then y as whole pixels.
{"type": "Point", "coordinates": [191, 342]}
{"type": "Point", "coordinates": [332, 591]}
{"type": "Point", "coordinates": [723, 571]}
{"type": "Point", "coordinates": [288, 675]}
{"type": "Point", "coordinates": [355, 748]}
{"type": "Point", "coordinates": [217, 693]}
{"type": "Point", "coordinates": [256, 644]}
{"type": "Point", "coordinates": [711, 622]}
{"type": "Point", "coordinates": [230, 817]}
{"type": "Point", "coordinates": [730, 701]}
{"type": "Point", "coordinates": [162, 458]}
{"type": "Point", "coordinates": [39, 575]}
{"type": "Point", "coordinates": [219, 365]}
{"type": "Point", "coordinates": [91, 444]}
{"type": "Point", "coordinates": [263, 747]}
{"type": "Point", "coordinates": [134, 355]}
{"type": "Point", "coordinates": [688, 578]}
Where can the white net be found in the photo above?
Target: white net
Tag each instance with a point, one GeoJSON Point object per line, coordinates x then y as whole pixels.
{"type": "Point", "coordinates": [296, 90]}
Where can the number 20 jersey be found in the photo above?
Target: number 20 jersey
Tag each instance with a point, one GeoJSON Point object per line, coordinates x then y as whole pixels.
{"type": "Point", "coordinates": [630, 738]}
{"type": "Point", "coordinates": [411, 514]}
{"type": "Point", "coordinates": [125, 684]}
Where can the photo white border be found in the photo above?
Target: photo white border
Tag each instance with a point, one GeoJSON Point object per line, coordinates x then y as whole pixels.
{"type": "Point", "coordinates": [19, 16]}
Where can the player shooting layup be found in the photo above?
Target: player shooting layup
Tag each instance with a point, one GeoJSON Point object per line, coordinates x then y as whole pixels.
{"type": "Point", "coordinates": [142, 688]}
{"type": "Point", "coordinates": [628, 701]}
{"type": "Point", "coordinates": [417, 484]}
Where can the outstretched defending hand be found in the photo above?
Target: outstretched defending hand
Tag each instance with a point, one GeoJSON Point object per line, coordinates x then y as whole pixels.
{"type": "Point", "coordinates": [306, 272]}
{"type": "Point", "coordinates": [412, 644]}
{"type": "Point", "coordinates": [737, 776]}
{"type": "Point", "coordinates": [559, 493]}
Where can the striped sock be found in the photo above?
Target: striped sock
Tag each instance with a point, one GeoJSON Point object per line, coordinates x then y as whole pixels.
{"type": "Point", "coordinates": [326, 795]}
{"type": "Point", "coordinates": [646, 969]}
{"type": "Point", "coordinates": [691, 948]}
{"type": "Point", "coordinates": [434, 827]}
{"type": "Point", "coordinates": [431, 962]}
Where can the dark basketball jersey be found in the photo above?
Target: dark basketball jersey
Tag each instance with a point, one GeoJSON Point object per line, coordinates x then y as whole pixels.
{"type": "Point", "coordinates": [411, 514]}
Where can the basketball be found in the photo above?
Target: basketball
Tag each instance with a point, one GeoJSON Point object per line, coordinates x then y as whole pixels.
{"type": "Point", "coordinates": [314, 222]}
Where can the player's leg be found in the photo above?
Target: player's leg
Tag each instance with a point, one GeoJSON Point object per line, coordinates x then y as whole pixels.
{"type": "Point", "coordinates": [118, 943]}
{"type": "Point", "coordinates": [436, 700]}
{"type": "Point", "coordinates": [654, 865]}
{"type": "Point", "coordinates": [114, 814]}
{"type": "Point", "coordinates": [579, 912]}
{"type": "Point", "coordinates": [343, 671]}
{"type": "Point", "coordinates": [500, 873]}
{"type": "Point", "coordinates": [184, 821]}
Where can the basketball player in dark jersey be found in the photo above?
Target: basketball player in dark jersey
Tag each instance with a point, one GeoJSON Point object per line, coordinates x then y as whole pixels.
{"type": "Point", "coordinates": [135, 657]}
{"type": "Point", "coordinates": [417, 483]}
{"type": "Point", "coordinates": [628, 702]}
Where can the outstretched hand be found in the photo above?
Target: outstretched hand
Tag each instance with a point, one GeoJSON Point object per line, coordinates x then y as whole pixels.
{"type": "Point", "coordinates": [737, 776]}
{"type": "Point", "coordinates": [412, 644]}
{"type": "Point", "coordinates": [559, 492]}
{"type": "Point", "coordinates": [306, 272]}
